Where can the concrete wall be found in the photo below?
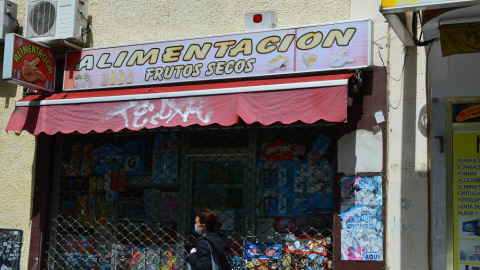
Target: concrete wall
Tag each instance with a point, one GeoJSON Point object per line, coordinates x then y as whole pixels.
{"type": "Point", "coordinates": [16, 164]}
{"type": "Point", "coordinates": [406, 229]}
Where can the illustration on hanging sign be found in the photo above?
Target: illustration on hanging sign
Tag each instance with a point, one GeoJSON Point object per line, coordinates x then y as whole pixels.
{"type": "Point", "coordinates": [29, 64]}
{"type": "Point", "coordinates": [10, 249]}
{"type": "Point", "coordinates": [313, 48]}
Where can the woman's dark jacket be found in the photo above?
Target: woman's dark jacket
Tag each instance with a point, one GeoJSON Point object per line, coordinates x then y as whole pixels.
{"type": "Point", "coordinates": [201, 260]}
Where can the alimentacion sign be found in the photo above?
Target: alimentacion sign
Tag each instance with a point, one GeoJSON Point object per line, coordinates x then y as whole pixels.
{"type": "Point", "coordinates": [29, 64]}
{"type": "Point", "coordinates": [344, 45]}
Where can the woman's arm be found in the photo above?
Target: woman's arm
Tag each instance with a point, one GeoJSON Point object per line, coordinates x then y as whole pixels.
{"type": "Point", "coordinates": [202, 259]}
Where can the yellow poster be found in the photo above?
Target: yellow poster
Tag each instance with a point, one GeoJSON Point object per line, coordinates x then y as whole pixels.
{"type": "Point", "coordinates": [466, 199]}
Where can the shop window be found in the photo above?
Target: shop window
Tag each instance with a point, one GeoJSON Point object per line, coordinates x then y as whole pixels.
{"type": "Point", "coordinates": [128, 200]}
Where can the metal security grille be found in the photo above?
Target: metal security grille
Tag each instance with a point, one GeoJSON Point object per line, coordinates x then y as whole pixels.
{"type": "Point", "coordinates": [128, 200]}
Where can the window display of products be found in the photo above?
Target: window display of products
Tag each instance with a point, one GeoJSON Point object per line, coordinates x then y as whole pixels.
{"type": "Point", "coordinates": [128, 201]}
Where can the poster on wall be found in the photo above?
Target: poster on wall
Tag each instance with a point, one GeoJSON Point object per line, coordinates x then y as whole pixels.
{"type": "Point", "coordinates": [361, 217]}
{"type": "Point", "coordinates": [10, 248]}
{"type": "Point", "coordinates": [466, 199]}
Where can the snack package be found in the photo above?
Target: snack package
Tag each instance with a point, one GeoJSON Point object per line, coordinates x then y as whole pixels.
{"type": "Point", "coordinates": [307, 252]}
{"type": "Point", "coordinates": [134, 157]}
{"type": "Point", "coordinates": [262, 256]}
{"type": "Point", "coordinates": [152, 258]}
{"type": "Point", "coordinates": [85, 209]}
{"type": "Point", "coordinates": [107, 156]}
{"type": "Point", "coordinates": [105, 211]}
{"type": "Point", "coordinates": [272, 201]}
{"type": "Point", "coordinates": [319, 147]}
{"type": "Point", "coordinates": [137, 258]}
{"type": "Point", "coordinates": [168, 258]}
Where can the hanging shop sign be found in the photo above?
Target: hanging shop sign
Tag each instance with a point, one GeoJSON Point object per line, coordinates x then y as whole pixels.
{"type": "Point", "coordinates": [409, 5]}
{"type": "Point", "coordinates": [29, 64]}
{"type": "Point", "coordinates": [345, 45]}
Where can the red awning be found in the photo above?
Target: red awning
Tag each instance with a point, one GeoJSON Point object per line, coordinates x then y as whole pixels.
{"type": "Point", "coordinates": [287, 100]}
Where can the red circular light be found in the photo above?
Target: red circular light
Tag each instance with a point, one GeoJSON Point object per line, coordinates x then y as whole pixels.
{"type": "Point", "coordinates": [257, 18]}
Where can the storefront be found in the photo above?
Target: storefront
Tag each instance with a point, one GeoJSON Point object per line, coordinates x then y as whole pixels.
{"type": "Point", "coordinates": [257, 129]}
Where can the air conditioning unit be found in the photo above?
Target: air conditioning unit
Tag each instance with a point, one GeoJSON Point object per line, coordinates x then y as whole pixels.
{"type": "Point", "coordinates": [47, 21]}
{"type": "Point", "coordinates": [8, 12]}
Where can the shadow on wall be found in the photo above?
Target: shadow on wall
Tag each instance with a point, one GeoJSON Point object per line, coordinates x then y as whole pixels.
{"type": "Point", "coordinates": [8, 91]}
{"type": "Point", "coordinates": [412, 225]}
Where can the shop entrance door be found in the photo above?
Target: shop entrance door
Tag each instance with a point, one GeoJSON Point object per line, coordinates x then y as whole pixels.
{"type": "Point", "coordinates": [222, 180]}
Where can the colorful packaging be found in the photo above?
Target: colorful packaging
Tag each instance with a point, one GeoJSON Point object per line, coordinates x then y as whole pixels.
{"type": "Point", "coordinates": [319, 147]}
{"type": "Point", "coordinates": [137, 259]}
{"type": "Point", "coordinates": [168, 258]}
{"type": "Point", "coordinates": [134, 157]}
{"type": "Point", "coordinates": [85, 209]}
{"type": "Point", "coordinates": [87, 159]}
{"type": "Point", "coordinates": [107, 156]}
{"type": "Point", "coordinates": [105, 211]}
{"type": "Point", "coordinates": [262, 256]}
{"type": "Point", "coordinates": [272, 201]}
{"type": "Point", "coordinates": [84, 245]}
{"type": "Point", "coordinates": [152, 258]}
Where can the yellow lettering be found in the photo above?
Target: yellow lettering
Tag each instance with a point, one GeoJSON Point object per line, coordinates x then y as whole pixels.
{"type": "Point", "coordinates": [172, 54]}
{"type": "Point", "coordinates": [309, 40]}
{"type": "Point", "coordinates": [223, 47]}
{"type": "Point", "coordinates": [341, 38]}
{"type": "Point", "coordinates": [264, 45]}
{"type": "Point", "coordinates": [102, 62]}
{"type": "Point", "coordinates": [200, 53]}
{"type": "Point", "coordinates": [120, 58]}
{"type": "Point", "coordinates": [87, 62]}
{"type": "Point", "coordinates": [140, 58]}
{"type": "Point", "coordinates": [286, 42]}
{"type": "Point", "coordinates": [244, 46]}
